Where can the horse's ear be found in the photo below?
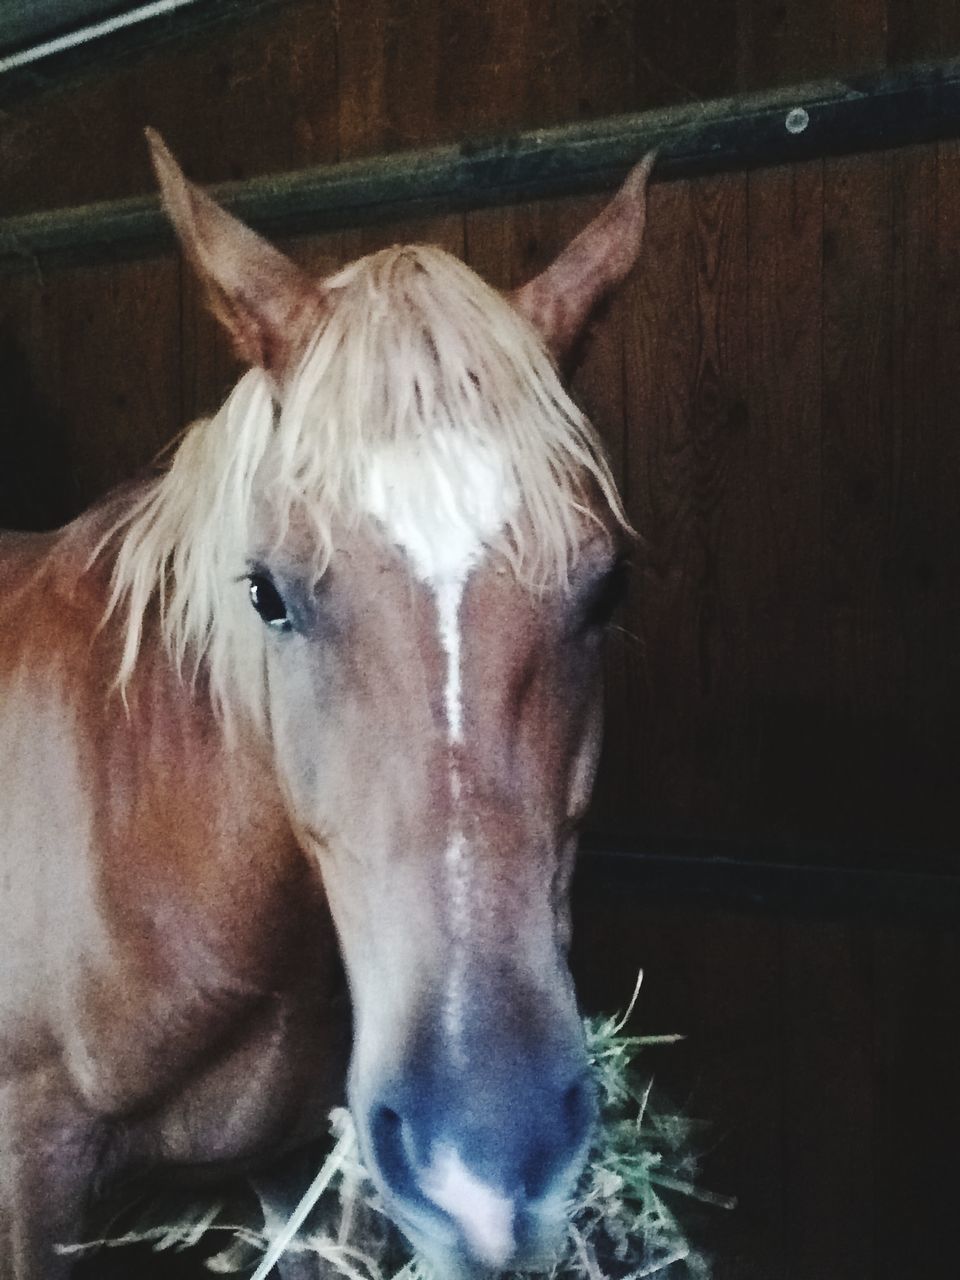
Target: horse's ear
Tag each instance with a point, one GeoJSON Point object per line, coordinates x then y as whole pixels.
{"type": "Point", "coordinates": [257, 293]}
{"type": "Point", "coordinates": [560, 301]}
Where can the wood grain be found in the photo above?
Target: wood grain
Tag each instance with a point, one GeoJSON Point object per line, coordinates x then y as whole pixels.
{"type": "Point", "coordinates": [917, 1041]}
{"type": "Point", "coordinates": [37, 489]}
{"type": "Point", "coordinates": [828, 1158]}
{"type": "Point", "coordinates": [779, 547]}
{"type": "Point", "coordinates": [126, 321]}
{"type": "Point", "coordinates": [686, 365]}
{"type": "Point", "coordinates": [862, 452]}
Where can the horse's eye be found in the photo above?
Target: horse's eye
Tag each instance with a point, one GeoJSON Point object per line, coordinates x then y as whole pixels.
{"type": "Point", "coordinates": [268, 602]}
{"type": "Point", "coordinates": [605, 596]}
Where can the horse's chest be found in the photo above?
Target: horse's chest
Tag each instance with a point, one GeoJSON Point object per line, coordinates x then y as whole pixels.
{"type": "Point", "coordinates": [270, 1086]}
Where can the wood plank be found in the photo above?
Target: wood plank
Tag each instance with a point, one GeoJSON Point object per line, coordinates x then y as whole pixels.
{"type": "Point", "coordinates": [723, 518]}
{"type": "Point", "coordinates": [608, 80]}
{"type": "Point", "coordinates": [384, 48]}
{"type": "Point", "coordinates": [117, 343]}
{"type": "Point", "coordinates": [783, 43]}
{"type": "Point", "coordinates": [22, 76]}
{"type": "Point", "coordinates": [260, 104]}
{"type": "Point", "coordinates": [922, 572]}
{"type": "Point", "coordinates": [673, 65]}
{"type": "Point", "coordinates": [828, 1157]}
{"type": "Point", "coordinates": [860, 791]}
{"type": "Point", "coordinates": [259, 100]}
{"type": "Point", "coordinates": [36, 484]}
{"type": "Point", "coordinates": [858, 36]}
{"type": "Point", "coordinates": [779, 545]}
{"type": "Point", "coordinates": [918, 29]}
{"type": "Point", "coordinates": [918, 1114]}
{"type": "Point", "coordinates": [656, 746]}
{"type": "Point", "coordinates": [780, 43]}
{"type": "Point", "coordinates": [930, 518]}
{"type": "Point", "coordinates": [478, 68]}
{"type": "Point", "coordinates": [686, 364]}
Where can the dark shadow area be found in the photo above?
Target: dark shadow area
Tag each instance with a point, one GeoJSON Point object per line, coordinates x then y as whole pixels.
{"type": "Point", "coordinates": [36, 488]}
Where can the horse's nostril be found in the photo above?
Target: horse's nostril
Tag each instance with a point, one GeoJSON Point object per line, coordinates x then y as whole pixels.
{"type": "Point", "coordinates": [389, 1149]}
{"type": "Point", "coordinates": [563, 1142]}
{"type": "Point", "coordinates": [387, 1118]}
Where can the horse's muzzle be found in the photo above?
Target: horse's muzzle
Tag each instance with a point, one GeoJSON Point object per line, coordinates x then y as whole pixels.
{"type": "Point", "coordinates": [477, 1166]}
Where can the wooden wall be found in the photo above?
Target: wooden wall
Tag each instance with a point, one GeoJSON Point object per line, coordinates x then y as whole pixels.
{"type": "Point", "coordinates": [778, 390]}
{"type": "Point", "coordinates": [309, 81]}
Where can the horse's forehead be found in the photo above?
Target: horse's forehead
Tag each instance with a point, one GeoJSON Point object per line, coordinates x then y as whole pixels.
{"type": "Point", "coordinates": [440, 508]}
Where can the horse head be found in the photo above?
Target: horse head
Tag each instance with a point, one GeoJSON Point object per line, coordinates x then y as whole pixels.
{"type": "Point", "coordinates": [393, 554]}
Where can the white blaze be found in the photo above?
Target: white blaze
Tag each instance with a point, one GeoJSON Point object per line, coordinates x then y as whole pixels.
{"type": "Point", "coordinates": [483, 1215]}
{"type": "Point", "coordinates": [442, 506]}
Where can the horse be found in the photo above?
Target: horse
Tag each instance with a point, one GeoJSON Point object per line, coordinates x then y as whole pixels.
{"type": "Point", "coordinates": [296, 737]}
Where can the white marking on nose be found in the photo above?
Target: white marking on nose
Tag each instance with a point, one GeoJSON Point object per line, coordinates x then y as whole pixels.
{"type": "Point", "coordinates": [458, 881]}
{"type": "Point", "coordinates": [483, 1215]}
{"type": "Point", "coordinates": [449, 595]}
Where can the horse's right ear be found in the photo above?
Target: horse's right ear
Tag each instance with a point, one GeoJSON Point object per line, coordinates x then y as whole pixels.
{"type": "Point", "coordinates": [258, 294]}
{"type": "Point", "coordinates": [560, 301]}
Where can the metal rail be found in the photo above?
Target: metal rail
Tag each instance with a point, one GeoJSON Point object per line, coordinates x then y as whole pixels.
{"type": "Point", "coordinates": [914, 105]}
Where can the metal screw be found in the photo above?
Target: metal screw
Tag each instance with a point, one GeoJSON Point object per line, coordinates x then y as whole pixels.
{"type": "Point", "coordinates": [797, 120]}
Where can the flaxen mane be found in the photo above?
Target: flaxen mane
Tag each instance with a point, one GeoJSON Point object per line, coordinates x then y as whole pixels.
{"type": "Point", "coordinates": [413, 355]}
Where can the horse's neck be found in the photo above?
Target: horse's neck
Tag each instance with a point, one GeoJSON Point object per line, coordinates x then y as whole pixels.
{"type": "Point", "coordinates": [187, 831]}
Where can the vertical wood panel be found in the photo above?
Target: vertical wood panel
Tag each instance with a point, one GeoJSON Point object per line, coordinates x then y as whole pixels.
{"type": "Point", "coordinates": [780, 549]}
{"type": "Point", "coordinates": [918, 1113]}
{"type": "Point", "coordinates": [686, 365]}
{"type": "Point", "coordinates": [262, 99]}
{"type": "Point", "coordinates": [725, 521]}
{"type": "Point", "coordinates": [308, 80]}
{"type": "Point", "coordinates": [931, 540]}
{"type": "Point", "coordinates": [784, 43]}
{"type": "Point", "coordinates": [792, 42]}
{"type": "Point", "coordinates": [37, 489]}
{"type": "Point", "coordinates": [828, 1086]}
{"type": "Point", "coordinates": [660, 375]}
{"type": "Point", "coordinates": [412, 72]}
{"type": "Point", "coordinates": [922, 29]}
{"type": "Point", "coordinates": [862, 475]}
{"type": "Point", "coordinates": [114, 335]}
{"type": "Point", "coordinates": [684, 55]}
{"type": "Point", "coordinates": [389, 54]}
{"type": "Point", "coordinates": [924, 351]}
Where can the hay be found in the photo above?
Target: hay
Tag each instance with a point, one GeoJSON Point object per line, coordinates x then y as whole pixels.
{"type": "Point", "coordinates": [621, 1224]}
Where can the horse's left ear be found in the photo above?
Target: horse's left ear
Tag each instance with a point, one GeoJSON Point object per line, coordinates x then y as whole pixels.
{"type": "Point", "coordinates": [560, 300]}
{"type": "Point", "coordinates": [258, 294]}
